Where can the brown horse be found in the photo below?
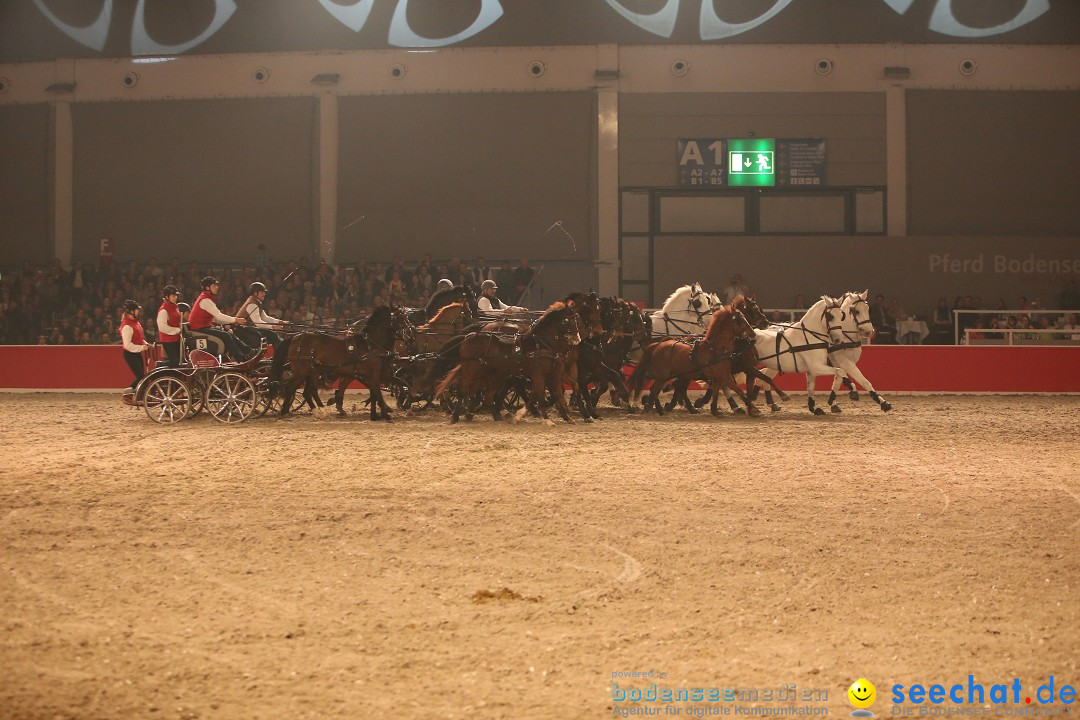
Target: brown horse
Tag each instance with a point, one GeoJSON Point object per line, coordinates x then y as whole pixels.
{"type": "Point", "coordinates": [488, 360]}
{"type": "Point", "coordinates": [360, 354]}
{"type": "Point", "coordinates": [709, 357]}
{"type": "Point", "coordinates": [448, 322]}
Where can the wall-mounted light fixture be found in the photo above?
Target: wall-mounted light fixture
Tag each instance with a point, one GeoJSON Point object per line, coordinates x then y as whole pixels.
{"type": "Point", "coordinates": [898, 72]}
{"type": "Point", "coordinates": [604, 74]}
{"type": "Point", "coordinates": [326, 79]}
{"type": "Point", "coordinates": [60, 88]}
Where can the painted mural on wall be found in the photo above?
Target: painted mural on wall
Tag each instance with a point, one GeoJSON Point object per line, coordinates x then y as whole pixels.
{"type": "Point", "coordinates": [46, 29]}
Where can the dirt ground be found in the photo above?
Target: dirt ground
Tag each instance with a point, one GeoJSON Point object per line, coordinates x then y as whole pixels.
{"type": "Point", "coordinates": [323, 567]}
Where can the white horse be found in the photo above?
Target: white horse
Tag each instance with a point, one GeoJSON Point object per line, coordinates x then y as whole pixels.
{"type": "Point", "coordinates": [803, 346]}
{"type": "Point", "coordinates": [686, 312]}
{"type": "Point", "coordinates": [854, 325]}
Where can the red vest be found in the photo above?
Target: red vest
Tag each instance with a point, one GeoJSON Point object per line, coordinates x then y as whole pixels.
{"type": "Point", "coordinates": [174, 320]}
{"type": "Point", "coordinates": [199, 318]}
{"type": "Point", "coordinates": [136, 330]}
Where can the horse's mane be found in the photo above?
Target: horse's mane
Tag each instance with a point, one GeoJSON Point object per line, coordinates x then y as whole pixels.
{"type": "Point", "coordinates": [679, 291]}
{"type": "Point", "coordinates": [552, 313]}
{"type": "Point", "coordinates": [445, 310]}
{"type": "Point", "coordinates": [379, 317]}
{"type": "Point", "coordinates": [440, 297]}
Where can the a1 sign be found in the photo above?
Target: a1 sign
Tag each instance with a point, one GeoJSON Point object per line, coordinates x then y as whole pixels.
{"type": "Point", "coordinates": [701, 161]}
{"type": "Point", "coordinates": [752, 162]}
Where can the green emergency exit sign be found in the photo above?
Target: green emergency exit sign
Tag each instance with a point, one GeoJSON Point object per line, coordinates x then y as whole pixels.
{"type": "Point", "coordinates": [751, 162]}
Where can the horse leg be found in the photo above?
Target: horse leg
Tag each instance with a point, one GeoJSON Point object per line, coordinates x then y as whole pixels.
{"type": "Point", "coordinates": [290, 391]}
{"type": "Point", "coordinates": [832, 392]}
{"type": "Point", "coordinates": [853, 393]}
{"type": "Point", "coordinates": [704, 399]}
{"type": "Point", "coordinates": [854, 371]}
{"type": "Point", "coordinates": [494, 397]}
{"type": "Point", "coordinates": [728, 381]}
{"type": "Point", "coordinates": [555, 385]}
{"type": "Point", "coordinates": [811, 403]}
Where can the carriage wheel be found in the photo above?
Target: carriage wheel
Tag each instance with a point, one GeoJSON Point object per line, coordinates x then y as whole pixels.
{"type": "Point", "coordinates": [513, 398]}
{"type": "Point", "coordinates": [231, 397]}
{"type": "Point", "coordinates": [167, 399]}
{"type": "Point", "coordinates": [197, 389]}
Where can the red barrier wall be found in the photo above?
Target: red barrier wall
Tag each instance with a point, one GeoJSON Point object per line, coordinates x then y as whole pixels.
{"type": "Point", "coordinates": [892, 368]}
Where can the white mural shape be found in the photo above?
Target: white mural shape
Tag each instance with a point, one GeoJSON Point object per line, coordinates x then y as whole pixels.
{"type": "Point", "coordinates": [402, 35]}
{"type": "Point", "coordinates": [92, 36]}
{"type": "Point", "coordinates": [661, 22]}
{"type": "Point", "coordinates": [351, 16]}
{"type": "Point", "coordinates": [143, 44]}
{"type": "Point", "coordinates": [944, 21]}
{"type": "Point", "coordinates": [713, 28]}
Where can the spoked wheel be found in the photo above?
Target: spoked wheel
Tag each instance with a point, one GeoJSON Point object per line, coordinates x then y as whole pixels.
{"type": "Point", "coordinates": [231, 397]}
{"type": "Point", "coordinates": [198, 397]}
{"type": "Point", "coordinates": [167, 400]}
{"type": "Point", "coordinates": [513, 397]}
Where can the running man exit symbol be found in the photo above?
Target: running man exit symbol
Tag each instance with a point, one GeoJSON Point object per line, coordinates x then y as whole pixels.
{"type": "Point", "coordinates": [760, 163]}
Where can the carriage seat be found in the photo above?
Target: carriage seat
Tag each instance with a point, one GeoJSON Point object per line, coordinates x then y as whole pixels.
{"type": "Point", "coordinates": [195, 340]}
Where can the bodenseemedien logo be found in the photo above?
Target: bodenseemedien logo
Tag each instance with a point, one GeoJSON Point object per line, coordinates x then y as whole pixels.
{"type": "Point", "coordinates": [862, 695]}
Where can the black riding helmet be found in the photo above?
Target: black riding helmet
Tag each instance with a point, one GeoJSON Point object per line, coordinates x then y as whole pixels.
{"type": "Point", "coordinates": [169, 290]}
{"type": "Point", "coordinates": [131, 306]}
{"type": "Point", "coordinates": [256, 287]}
{"type": "Point", "coordinates": [208, 281]}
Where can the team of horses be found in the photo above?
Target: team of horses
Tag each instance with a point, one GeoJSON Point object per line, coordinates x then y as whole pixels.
{"type": "Point", "coordinates": [449, 355]}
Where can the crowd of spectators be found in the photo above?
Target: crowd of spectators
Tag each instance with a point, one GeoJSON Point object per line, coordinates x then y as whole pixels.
{"type": "Point", "coordinates": [946, 321]}
{"type": "Point", "coordinates": [80, 305]}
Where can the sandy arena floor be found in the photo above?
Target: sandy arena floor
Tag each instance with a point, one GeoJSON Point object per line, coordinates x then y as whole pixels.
{"type": "Point", "coordinates": [318, 567]}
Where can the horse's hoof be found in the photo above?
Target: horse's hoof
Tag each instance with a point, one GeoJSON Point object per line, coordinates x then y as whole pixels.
{"type": "Point", "coordinates": [854, 395]}
{"type": "Point", "coordinates": [886, 406]}
{"type": "Point", "coordinates": [631, 410]}
{"type": "Point", "coordinates": [454, 419]}
{"type": "Point", "coordinates": [775, 408]}
{"type": "Point", "coordinates": [835, 408]}
{"type": "Point", "coordinates": [819, 411]}
{"type": "Point", "coordinates": [752, 411]}
{"type": "Point", "coordinates": [783, 396]}
{"type": "Point", "coordinates": [740, 411]}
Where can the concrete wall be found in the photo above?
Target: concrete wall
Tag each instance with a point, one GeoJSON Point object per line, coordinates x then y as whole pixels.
{"type": "Point", "coordinates": [467, 175]}
{"type": "Point", "coordinates": [993, 163]}
{"type": "Point", "coordinates": [195, 179]}
{"type": "Point", "coordinates": [24, 183]}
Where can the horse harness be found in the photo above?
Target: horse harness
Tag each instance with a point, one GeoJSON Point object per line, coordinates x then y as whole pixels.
{"type": "Point", "coordinates": [824, 342]}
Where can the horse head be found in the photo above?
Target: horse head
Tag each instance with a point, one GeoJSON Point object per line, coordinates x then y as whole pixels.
{"type": "Point", "coordinates": [857, 314]}
{"type": "Point", "coordinates": [588, 309]}
{"type": "Point", "coordinates": [833, 316]}
{"type": "Point", "coordinates": [754, 314]}
{"type": "Point", "coordinates": [558, 325]}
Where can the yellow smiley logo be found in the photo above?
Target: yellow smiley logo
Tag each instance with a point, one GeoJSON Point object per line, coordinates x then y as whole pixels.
{"type": "Point", "coordinates": [862, 694]}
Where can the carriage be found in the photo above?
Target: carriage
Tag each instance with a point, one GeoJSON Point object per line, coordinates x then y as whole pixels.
{"type": "Point", "coordinates": [227, 392]}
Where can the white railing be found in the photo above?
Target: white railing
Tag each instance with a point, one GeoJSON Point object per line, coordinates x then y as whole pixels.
{"type": "Point", "coordinates": [1030, 313]}
{"type": "Point", "coordinates": [1018, 336]}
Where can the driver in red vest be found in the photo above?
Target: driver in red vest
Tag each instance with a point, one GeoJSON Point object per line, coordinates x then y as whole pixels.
{"type": "Point", "coordinates": [131, 335]}
{"type": "Point", "coordinates": [205, 312]}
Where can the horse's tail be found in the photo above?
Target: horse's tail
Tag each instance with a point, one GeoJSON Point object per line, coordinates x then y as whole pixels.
{"type": "Point", "coordinates": [452, 377]}
{"type": "Point", "coordinates": [637, 378]}
{"type": "Point", "coordinates": [280, 357]}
